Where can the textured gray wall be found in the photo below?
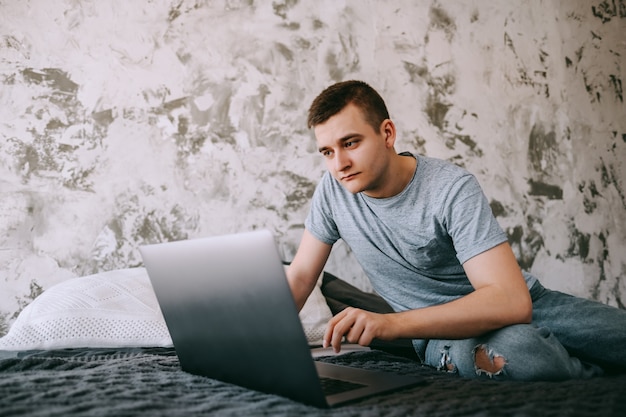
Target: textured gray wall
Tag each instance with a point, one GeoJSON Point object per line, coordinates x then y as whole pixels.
{"type": "Point", "coordinates": [124, 123]}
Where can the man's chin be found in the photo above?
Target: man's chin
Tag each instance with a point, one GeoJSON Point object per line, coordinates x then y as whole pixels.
{"type": "Point", "coordinates": [353, 187]}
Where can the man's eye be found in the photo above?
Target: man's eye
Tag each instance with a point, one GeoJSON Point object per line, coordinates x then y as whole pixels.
{"type": "Point", "coordinates": [349, 144]}
{"type": "Point", "coordinates": [327, 153]}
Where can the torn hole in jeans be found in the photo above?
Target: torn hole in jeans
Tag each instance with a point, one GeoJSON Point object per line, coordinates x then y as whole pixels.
{"type": "Point", "coordinates": [445, 363]}
{"type": "Point", "coordinates": [487, 362]}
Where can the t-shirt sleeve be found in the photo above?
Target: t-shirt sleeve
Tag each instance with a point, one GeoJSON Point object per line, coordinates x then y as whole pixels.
{"type": "Point", "coordinates": [320, 222]}
{"type": "Point", "coordinates": [469, 219]}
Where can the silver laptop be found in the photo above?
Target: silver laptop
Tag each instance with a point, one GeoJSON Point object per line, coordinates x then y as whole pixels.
{"type": "Point", "coordinates": [231, 316]}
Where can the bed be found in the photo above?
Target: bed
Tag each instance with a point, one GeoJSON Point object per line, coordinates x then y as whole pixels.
{"type": "Point", "coordinates": [98, 347]}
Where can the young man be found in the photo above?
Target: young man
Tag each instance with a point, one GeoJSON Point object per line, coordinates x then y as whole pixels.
{"type": "Point", "coordinates": [426, 237]}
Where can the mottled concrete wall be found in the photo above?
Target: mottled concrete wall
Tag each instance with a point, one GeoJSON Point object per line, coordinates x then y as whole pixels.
{"type": "Point", "coordinates": [124, 123]}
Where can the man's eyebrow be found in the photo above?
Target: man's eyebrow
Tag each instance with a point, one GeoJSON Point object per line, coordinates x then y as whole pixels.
{"type": "Point", "coordinates": [346, 138]}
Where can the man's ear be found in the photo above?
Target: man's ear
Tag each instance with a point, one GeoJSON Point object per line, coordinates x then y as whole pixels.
{"type": "Point", "coordinates": [388, 130]}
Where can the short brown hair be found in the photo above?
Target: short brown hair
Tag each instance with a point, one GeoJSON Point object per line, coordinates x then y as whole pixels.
{"type": "Point", "coordinates": [334, 98]}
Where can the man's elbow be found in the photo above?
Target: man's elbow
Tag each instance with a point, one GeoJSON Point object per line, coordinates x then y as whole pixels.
{"type": "Point", "coordinates": [523, 311]}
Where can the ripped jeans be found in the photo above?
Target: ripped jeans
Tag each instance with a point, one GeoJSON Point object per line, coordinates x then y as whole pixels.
{"type": "Point", "coordinates": [569, 337]}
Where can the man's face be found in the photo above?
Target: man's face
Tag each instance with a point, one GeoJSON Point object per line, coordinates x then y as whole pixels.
{"type": "Point", "coordinates": [356, 154]}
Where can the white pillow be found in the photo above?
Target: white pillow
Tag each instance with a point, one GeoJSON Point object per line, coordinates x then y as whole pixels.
{"type": "Point", "coordinates": [114, 309]}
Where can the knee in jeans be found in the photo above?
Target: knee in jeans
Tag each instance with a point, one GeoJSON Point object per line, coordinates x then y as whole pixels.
{"type": "Point", "coordinates": [487, 362]}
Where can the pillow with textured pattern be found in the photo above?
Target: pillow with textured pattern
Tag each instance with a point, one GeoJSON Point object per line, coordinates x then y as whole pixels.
{"type": "Point", "coordinates": [115, 309]}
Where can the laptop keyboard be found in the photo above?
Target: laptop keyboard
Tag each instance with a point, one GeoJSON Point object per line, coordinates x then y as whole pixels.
{"type": "Point", "coordinates": [331, 386]}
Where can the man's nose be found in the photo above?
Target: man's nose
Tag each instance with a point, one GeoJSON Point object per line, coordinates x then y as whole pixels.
{"type": "Point", "coordinates": [342, 161]}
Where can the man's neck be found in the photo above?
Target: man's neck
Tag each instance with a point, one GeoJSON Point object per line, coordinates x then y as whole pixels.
{"type": "Point", "coordinates": [401, 171]}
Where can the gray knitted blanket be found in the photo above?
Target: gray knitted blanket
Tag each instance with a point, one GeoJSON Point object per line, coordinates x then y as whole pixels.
{"type": "Point", "coordinates": [149, 382]}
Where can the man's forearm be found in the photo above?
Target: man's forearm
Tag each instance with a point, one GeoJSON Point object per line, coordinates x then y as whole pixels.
{"type": "Point", "coordinates": [307, 265]}
{"type": "Point", "coordinates": [470, 316]}
{"type": "Point", "coordinates": [300, 288]}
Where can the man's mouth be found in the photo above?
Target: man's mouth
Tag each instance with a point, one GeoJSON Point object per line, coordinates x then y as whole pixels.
{"type": "Point", "coordinates": [349, 177]}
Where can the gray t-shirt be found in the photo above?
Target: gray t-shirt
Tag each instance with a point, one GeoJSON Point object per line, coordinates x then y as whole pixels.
{"type": "Point", "coordinates": [412, 245]}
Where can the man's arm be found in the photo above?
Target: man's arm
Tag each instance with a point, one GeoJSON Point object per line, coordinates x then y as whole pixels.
{"type": "Point", "coordinates": [306, 267]}
{"type": "Point", "coordinates": [501, 298]}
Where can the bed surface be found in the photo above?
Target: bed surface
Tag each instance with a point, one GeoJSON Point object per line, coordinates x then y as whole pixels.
{"type": "Point", "coordinates": [149, 382]}
{"type": "Point", "coordinates": [79, 350]}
